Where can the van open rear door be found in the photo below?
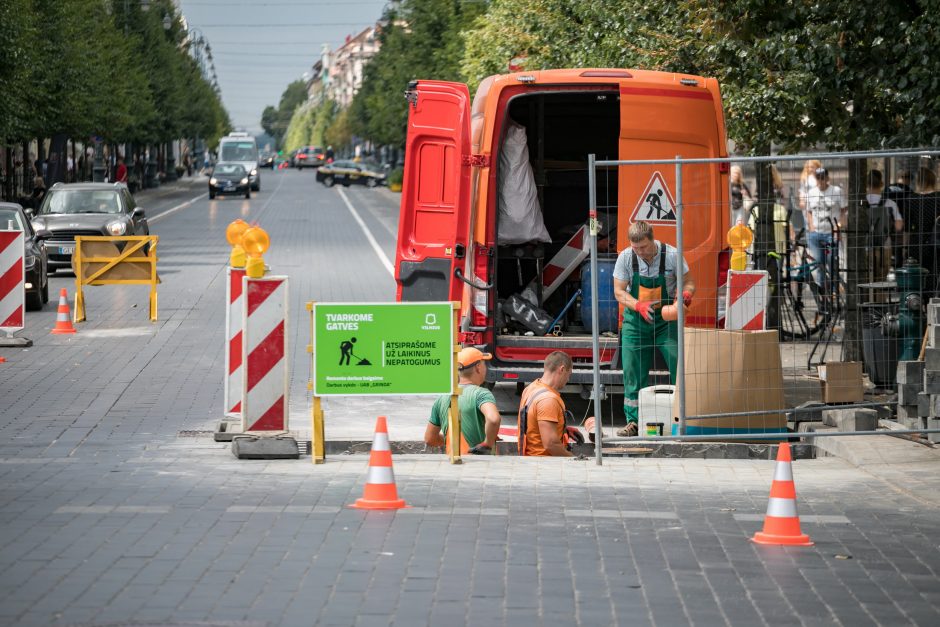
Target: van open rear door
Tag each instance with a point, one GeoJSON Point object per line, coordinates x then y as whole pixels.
{"type": "Point", "coordinates": [433, 228]}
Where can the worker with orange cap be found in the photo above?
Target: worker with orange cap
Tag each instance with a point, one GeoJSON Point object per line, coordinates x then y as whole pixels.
{"type": "Point", "coordinates": [645, 284]}
{"type": "Point", "coordinates": [479, 417]}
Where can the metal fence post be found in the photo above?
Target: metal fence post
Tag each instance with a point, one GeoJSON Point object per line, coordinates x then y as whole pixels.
{"type": "Point", "coordinates": [680, 278]}
{"type": "Point", "coordinates": [595, 317]}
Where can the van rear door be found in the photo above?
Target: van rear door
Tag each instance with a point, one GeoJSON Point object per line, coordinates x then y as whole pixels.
{"type": "Point", "coordinates": [662, 116]}
{"type": "Point", "coordinates": [433, 229]}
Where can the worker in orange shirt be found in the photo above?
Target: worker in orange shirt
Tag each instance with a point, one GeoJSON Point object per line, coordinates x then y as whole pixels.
{"type": "Point", "coordinates": [542, 425]}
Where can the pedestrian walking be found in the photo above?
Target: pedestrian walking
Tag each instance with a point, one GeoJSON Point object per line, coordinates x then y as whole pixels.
{"type": "Point", "coordinates": [886, 225]}
{"type": "Point", "coordinates": [741, 198]}
{"type": "Point", "coordinates": [826, 213]}
{"type": "Point", "coordinates": [120, 171]}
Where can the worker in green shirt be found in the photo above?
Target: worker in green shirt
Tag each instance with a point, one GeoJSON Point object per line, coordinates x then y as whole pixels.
{"type": "Point", "coordinates": [479, 417]}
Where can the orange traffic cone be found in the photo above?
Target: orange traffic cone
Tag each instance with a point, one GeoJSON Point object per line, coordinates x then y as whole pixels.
{"type": "Point", "coordinates": [781, 524]}
{"type": "Point", "coordinates": [380, 491]}
{"type": "Point", "coordinates": [63, 319]}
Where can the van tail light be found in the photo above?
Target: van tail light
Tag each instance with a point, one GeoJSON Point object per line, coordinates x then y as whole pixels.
{"type": "Point", "coordinates": [724, 264]}
{"type": "Point", "coordinates": [724, 167]}
{"type": "Point", "coordinates": [479, 314]}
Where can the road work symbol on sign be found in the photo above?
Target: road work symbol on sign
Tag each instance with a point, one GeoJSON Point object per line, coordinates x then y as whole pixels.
{"type": "Point", "coordinates": [346, 351]}
{"type": "Point", "coordinates": [656, 205]}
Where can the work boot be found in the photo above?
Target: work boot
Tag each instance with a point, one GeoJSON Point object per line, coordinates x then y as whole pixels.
{"type": "Point", "coordinates": [630, 431]}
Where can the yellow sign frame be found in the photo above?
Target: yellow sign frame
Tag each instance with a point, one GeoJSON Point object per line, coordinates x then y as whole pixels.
{"type": "Point", "coordinates": [134, 244]}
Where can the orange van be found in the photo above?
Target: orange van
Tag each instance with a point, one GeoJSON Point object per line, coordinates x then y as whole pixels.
{"type": "Point", "coordinates": [450, 246]}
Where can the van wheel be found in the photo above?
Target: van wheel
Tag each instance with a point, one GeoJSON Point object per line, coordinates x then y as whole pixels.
{"type": "Point", "coordinates": [248, 194]}
{"type": "Point", "coordinates": [328, 181]}
{"type": "Point", "coordinates": [45, 290]}
{"type": "Point", "coordinates": [371, 182]}
{"type": "Point", "coordinates": [211, 195]}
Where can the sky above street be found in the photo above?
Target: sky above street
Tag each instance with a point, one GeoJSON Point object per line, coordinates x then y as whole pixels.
{"type": "Point", "coordinates": [259, 46]}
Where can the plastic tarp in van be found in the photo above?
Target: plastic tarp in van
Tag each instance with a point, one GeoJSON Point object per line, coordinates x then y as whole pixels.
{"type": "Point", "coordinates": [520, 217]}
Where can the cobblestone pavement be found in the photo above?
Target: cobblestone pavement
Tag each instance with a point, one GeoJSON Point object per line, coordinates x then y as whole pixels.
{"type": "Point", "coordinates": [109, 516]}
{"type": "Point", "coordinates": [183, 532]}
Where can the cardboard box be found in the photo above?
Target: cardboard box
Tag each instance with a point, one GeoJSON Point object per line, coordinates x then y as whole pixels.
{"type": "Point", "coordinates": [732, 371]}
{"type": "Point", "coordinates": [841, 382]}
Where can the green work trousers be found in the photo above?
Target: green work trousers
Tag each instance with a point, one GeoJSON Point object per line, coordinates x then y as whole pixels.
{"type": "Point", "coordinates": [639, 339]}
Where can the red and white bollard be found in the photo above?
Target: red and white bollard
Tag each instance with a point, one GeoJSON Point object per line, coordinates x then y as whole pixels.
{"type": "Point", "coordinates": [12, 291]}
{"type": "Point", "coordinates": [747, 300]}
{"type": "Point", "coordinates": [266, 371]}
{"type": "Point", "coordinates": [233, 342]}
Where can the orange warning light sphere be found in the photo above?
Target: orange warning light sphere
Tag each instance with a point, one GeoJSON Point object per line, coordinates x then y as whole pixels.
{"type": "Point", "coordinates": [234, 232]}
{"type": "Point", "coordinates": [255, 241]}
{"type": "Point", "coordinates": [740, 237]}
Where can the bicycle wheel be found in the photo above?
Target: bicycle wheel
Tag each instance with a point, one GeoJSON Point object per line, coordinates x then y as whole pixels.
{"type": "Point", "coordinates": [797, 322]}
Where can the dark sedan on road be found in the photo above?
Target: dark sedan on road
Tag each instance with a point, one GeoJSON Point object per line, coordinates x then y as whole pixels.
{"type": "Point", "coordinates": [267, 160]}
{"type": "Point", "coordinates": [36, 278]}
{"type": "Point", "coordinates": [351, 172]}
{"type": "Point", "coordinates": [229, 178]}
{"type": "Point", "coordinates": [309, 157]}
{"type": "Point", "coordinates": [70, 210]}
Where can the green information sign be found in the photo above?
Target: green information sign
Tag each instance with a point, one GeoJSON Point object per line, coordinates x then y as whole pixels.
{"type": "Point", "coordinates": [362, 349]}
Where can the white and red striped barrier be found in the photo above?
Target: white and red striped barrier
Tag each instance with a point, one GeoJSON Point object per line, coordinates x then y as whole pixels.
{"type": "Point", "coordinates": [747, 300]}
{"type": "Point", "coordinates": [12, 273]}
{"type": "Point", "coordinates": [560, 267]}
{"type": "Point", "coordinates": [265, 366]}
{"type": "Point", "coordinates": [233, 341]}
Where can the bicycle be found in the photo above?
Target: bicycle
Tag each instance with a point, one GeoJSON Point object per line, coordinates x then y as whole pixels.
{"type": "Point", "coordinates": [803, 303]}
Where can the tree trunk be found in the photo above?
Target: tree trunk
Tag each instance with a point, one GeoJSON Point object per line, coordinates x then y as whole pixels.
{"type": "Point", "coordinates": [40, 160]}
{"type": "Point", "coordinates": [58, 154]}
{"type": "Point", "coordinates": [10, 174]}
{"type": "Point", "coordinates": [27, 168]}
{"type": "Point", "coordinates": [857, 242]}
{"type": "Point", "coordinates": [764, 227]}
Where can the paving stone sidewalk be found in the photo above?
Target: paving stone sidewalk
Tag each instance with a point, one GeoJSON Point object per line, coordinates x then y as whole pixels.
{"type": "Point", "coordinates": [184, 532]}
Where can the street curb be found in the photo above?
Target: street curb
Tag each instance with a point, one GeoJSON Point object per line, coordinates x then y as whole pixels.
{"type": "Point", "coordinates": [674, 450]}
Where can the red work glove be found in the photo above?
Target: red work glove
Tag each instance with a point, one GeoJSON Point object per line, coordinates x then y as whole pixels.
{"type": "Point", "coordinates": [686, 298]}
{"type": "Point", "coordinates": [645, 309]}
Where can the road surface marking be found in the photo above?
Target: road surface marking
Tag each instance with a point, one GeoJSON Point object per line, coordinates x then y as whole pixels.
{"type": "Point", "coordinates": [171, 210]}
{"type": "Point", "coordinates": [375, 245]}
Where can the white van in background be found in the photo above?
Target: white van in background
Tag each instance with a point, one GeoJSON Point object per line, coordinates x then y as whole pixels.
{"type": "Point", "coordinates": [241, 148]}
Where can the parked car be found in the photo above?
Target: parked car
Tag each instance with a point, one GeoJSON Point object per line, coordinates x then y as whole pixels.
{"type": "Point", "coordinates": [266, 160]}
{"type": "Point", "coordinates": [35, 262]}
{"type": "Point", "coordinates": [229, 178]}
{"type": "Point", "coordinates": [309, 157]}
{"type": "Point", "coordinates": [70, 210]}
{"type": "Point", "coordinates": [351, 172]}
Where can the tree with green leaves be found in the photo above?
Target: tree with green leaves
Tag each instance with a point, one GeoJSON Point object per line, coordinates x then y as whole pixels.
{"type": "Point", "coordinates": [277, 121]}
{"type": "Point", "coordinates": [420, 39]}
{"type": "Point", "coordinates": [74, 68]}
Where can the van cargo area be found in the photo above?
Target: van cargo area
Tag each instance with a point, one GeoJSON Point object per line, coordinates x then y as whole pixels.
{"type": "Point", "coordinates": [561, 129]}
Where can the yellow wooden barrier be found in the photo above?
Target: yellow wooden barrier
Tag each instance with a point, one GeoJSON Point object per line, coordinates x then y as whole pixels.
{"type": "Point", "coordinates": [98, 261]}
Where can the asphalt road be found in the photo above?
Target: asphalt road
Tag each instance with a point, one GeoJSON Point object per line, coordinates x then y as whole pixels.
{"type": "Point", "coordinates": [113, 513]}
